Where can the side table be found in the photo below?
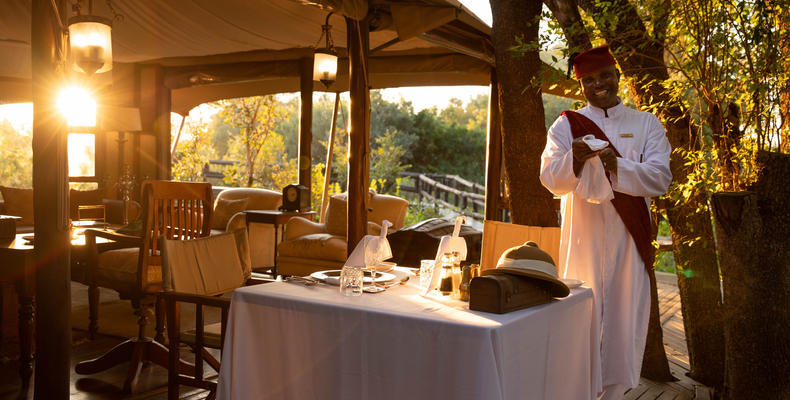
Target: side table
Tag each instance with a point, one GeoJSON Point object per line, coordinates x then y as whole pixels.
{"type": "Point", "coordinates": [276, 218]}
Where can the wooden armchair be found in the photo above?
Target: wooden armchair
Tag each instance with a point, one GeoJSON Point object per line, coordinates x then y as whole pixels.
{"type": "Point", "coordinates": [197, 272]}
{"type": "Point", "coordinates": [131, 265]}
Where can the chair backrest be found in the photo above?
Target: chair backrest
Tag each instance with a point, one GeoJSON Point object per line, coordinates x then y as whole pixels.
{"type": "Point", "coordinates": [257, 198]}
{"type": "Point", "coordinates": [175, 211]}
{"type": "Point", "coordinates": [381, 207]}
{"type": "Point", "coordinates": [500, 236]}
{"type": "Point", "coordinates": [207, 266]}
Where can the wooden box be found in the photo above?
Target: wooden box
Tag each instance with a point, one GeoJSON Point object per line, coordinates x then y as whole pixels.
{"type": "Point", "coordinates": [501, 294]}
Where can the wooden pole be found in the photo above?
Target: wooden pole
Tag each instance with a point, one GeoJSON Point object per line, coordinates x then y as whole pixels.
{"type": "Point", "coordinates": [330, 146]}
{"type": "Point", "coordinates": [305, 121]}
{"type": "Point", "coordinates": [50, 206]}
{"type": "Point", "coordinates": [493, 153]}
{"type": "Point", "coordinates": [359, 132]}
{"type": "Point", "coordinates": [178, 136]}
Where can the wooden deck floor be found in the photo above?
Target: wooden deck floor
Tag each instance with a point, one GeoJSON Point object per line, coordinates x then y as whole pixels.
{"type": "Point", "coordinates": [107, 385]}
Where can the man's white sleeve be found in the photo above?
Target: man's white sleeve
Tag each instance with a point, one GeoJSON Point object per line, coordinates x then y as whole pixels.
{"type": "Point", "coordinates": [556, 162]}
{"type": "Point", "coordinates": [651, 176]}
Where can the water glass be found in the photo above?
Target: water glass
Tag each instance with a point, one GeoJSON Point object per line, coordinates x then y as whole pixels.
{"type": "Point", "coordinates": [351, 281]}
{"type": "Point", "coordinates": [426, 273]}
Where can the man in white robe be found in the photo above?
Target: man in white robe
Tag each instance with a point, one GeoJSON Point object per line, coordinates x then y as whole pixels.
{"type": "Point", "coordinates": [596, 246]}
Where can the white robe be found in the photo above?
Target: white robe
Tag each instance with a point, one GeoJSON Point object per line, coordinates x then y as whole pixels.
{"type": "Point", "coordinates": [595, 245]}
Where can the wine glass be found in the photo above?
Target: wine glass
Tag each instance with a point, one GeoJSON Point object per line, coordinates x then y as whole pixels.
{"type": "Point", "coordinates": [370, 265]}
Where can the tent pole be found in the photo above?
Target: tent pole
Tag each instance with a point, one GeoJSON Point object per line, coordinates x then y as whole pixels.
{"type": "Point", "coordinates": [306, 122]}
{"type": "Point", "coordinates": [359, 133]}
{"type": "Point", "coordinates": [50, 208]}
{"type": "Point", "coordinates": [493, 152]}
{"type": "Point", "coordinates": [330, 146]}
{"type": "Point", "coordinates": [178, 136]}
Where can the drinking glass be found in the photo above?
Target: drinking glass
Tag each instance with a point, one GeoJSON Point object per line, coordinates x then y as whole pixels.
{"type": "Point", "coordinates": [351, 279]}
{"type": "Point", "coordinates": [426, 273]}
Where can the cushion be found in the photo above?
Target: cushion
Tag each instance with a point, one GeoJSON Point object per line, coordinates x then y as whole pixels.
{"type": "Point", "coordinates": [121, 266]}
{"type": "Point", "coordinates": [224, 209]}
{"type": "Point", "coordinates": [19, 202]}
{"type": "Point", "coordinates": [336, 215]}
{"type": "Point", "coordinates": [317, 245]}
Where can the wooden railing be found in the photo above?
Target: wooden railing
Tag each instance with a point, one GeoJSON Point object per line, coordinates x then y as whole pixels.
{"type": "Point", "coordinates": [449, 191]}
{"type": "Point", "coordinates": [208, 173]}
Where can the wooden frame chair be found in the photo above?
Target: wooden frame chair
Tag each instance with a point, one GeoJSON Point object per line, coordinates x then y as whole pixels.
{"type": "Point", "coordinates": [197, 272]}
{"type": "Point", "coordinates": [131, 265]}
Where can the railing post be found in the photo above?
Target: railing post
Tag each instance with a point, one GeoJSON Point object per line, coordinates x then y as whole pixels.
{"type": "Point", "coordinates": [418, 187]}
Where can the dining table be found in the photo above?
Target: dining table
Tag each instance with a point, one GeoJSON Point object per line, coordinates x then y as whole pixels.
{"type": "Point", "coordinates": [296, 340]}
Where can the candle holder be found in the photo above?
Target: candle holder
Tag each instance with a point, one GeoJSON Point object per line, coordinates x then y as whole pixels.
{"type": "Point", "coordinates": [126, 183]}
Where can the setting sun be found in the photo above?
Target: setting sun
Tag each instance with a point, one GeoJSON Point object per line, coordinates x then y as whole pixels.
{"type": "Point", "coordinates": [78, 106]}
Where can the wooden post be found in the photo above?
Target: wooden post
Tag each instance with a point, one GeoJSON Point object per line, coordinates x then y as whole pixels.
{"type": "Point", "coordinates": [153, 143]}
{"type": "Point", "coordinates": [330, 146]}
{"type": "Point", "coordinates": [305, 121]}
{"type": "Point", "coordinates": [493, 153]}
{"type": "Point", "coordinates": [50, 206]}
{"type": "Point", "coordinates": [359, 132]}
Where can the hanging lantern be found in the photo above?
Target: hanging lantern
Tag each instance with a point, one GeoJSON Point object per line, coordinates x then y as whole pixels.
{"type": "Point", "coordinates": [325, 67]}
{"type": "Point", "coordinates": [325, 60]}
{"type": "Point", "coordinates": [90, 41]}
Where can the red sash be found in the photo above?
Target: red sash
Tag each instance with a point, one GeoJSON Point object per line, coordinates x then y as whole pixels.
{"type": "Point", "coordinates": [632, 209]}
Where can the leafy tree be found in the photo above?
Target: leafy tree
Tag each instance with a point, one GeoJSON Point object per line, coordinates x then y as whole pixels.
{"type": "Point", "coordinates": [16, 156]}
{"type": "Point", "coordinates": [386, 161]}
{"type": "Point", "coordinates": [193, 151]}
{"type": "Point", "coordinates": [255, 117]}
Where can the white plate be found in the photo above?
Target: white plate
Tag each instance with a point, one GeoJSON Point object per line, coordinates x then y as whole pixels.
{"type": "Point", "coordinates": [572, 283]}
{"type": "Point", "coordinates": [334, 275]}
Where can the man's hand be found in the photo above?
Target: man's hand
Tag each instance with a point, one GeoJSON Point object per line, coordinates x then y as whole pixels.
{"type": "Point", "coordinates": [581, 153]}
{"type": "Point", "coordinates": [609, 160]}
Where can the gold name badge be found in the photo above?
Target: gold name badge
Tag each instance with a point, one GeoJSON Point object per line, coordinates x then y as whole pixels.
{"type": "Point", "coordinates": [626, 135]}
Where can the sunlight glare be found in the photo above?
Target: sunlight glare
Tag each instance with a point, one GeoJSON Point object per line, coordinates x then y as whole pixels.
{"type": "Point", "coordinates": [82, 151]}
{"type": "Point", "coordinates": [77, 106]}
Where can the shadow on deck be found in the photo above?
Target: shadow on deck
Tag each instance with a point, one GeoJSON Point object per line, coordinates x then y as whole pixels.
{"type": "Point", "coordinates": [153, 384]}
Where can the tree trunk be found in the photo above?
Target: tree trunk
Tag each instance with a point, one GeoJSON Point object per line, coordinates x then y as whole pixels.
{"type": "Point", "coordinates": [752, 228]}
{"type": "Point", "coordinates": [784, 92]}
{"type": "Point", "coordinates": [521, 110]}
{"type": "Point", "coordinates": [641, 59]}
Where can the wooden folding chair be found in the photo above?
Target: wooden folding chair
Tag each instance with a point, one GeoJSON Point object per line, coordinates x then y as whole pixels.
{"type": "Point", "coordinates": [500, 236]}
{"type": "Point", "coordinates": [198, 272]}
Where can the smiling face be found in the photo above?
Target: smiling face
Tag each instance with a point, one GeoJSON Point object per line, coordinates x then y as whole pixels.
{"type": "Point", "coordinates": [600, 87]}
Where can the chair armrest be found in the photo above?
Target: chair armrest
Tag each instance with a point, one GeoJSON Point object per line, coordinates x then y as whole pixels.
{"type": "Point", "coordinates": [237, 221]}
{"type": "Point", "coordinates": [119, 240]}
{"type": "Point", "coordinates": [211, 301]}
{"type": "Point", "coordinates": [298, 226]}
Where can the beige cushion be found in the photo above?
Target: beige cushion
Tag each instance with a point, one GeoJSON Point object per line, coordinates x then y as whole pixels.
{"type": "Point", "coordinates": [18, 202]}
{"type": "Point", "coordinates": [380, 207]}
{"type": "Point", "coordinates": [336, 215]}
{"type": "Point", "coordinates": [224, 209]}
{"type": "Point", "coordinates": [257, 198]}
{"type": "Point", "coordinates": [208, 266]}
{"type": "Point", "coordinates": [316, 245]}
{"type": "Point", "coordinates": [121, 266]}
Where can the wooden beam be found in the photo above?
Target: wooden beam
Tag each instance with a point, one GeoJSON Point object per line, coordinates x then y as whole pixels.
{"type": "Point", "coordinates": [359, 132]}
{"type": "Point", "coordinates": [493, 152]}
{"type": "Point", "coordinates": [305, 121]}
{"type": "Point", "coordinates": [153, 160]}
{"type": "Point", "coordinates": [330, 146]}
{"type": "Point", "coordinates": [50, 206]}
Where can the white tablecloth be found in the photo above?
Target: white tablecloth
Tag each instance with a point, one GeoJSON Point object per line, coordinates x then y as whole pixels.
{"type": "Point", "coordinates": [288, 341]}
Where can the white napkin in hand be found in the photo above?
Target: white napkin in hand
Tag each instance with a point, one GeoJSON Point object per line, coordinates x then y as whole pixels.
{"type": "Point", "coordinates": [371, 250]}
{"type": "Point", "coordinates": [448, 244]}
{"type": "Point", "coordinates": [593, 185]}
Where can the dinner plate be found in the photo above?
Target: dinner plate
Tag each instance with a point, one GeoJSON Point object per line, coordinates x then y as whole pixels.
{"type": "Point", "coordinates": [385, 266]}
{"type": "Point", "coordinates": [572, 283]}
{"type": "Point", "coordinates": [332, 276]}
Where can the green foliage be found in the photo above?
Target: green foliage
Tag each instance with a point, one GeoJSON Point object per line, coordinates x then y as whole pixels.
{"type": "Point", "coordinates": [420, 211]}
{"type": "Point", "coordinates": [16, 156]}
{"type": "Point", "coordinates": [193, 151]}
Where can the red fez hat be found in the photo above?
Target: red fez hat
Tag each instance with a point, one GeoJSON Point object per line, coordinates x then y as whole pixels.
{"type": "Point", "coordinates": [592, 60]}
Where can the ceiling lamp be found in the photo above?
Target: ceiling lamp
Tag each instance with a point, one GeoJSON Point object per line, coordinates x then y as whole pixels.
{"type": "Point", "coordinates": [90, 41]}
{"type": "Point", "coordinates": [325, 60]}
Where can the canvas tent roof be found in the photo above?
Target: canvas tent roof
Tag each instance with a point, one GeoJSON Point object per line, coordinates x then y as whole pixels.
{"type": "Point", "coordinates": [220, 49]}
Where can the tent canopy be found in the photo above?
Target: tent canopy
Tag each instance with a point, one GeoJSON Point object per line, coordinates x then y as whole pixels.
{"type": "Point", "coordinates": [212, 50]}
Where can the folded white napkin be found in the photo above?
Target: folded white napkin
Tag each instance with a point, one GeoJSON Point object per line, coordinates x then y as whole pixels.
{"type": "Point", "coordinates": [371, 250]}
{"type": "Point", "coordinates": [593, 185]}
{"type": "Point", "coordinates": [448, 244]}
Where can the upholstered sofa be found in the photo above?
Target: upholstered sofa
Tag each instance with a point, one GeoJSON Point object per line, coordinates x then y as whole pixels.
{"type": "Point", "coordinates": [309, 246]}
{"type": "Point", "coordinates": [229, 207]}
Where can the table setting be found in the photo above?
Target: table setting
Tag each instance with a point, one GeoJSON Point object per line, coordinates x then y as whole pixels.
{"type": "Point", "coordinates": [325, 336]}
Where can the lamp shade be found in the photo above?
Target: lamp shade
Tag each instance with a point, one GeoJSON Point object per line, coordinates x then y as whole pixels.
{"type": "Point", "coordinates": [90, 42]}
{"type": "Point", "coordinates": [325, 67]}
